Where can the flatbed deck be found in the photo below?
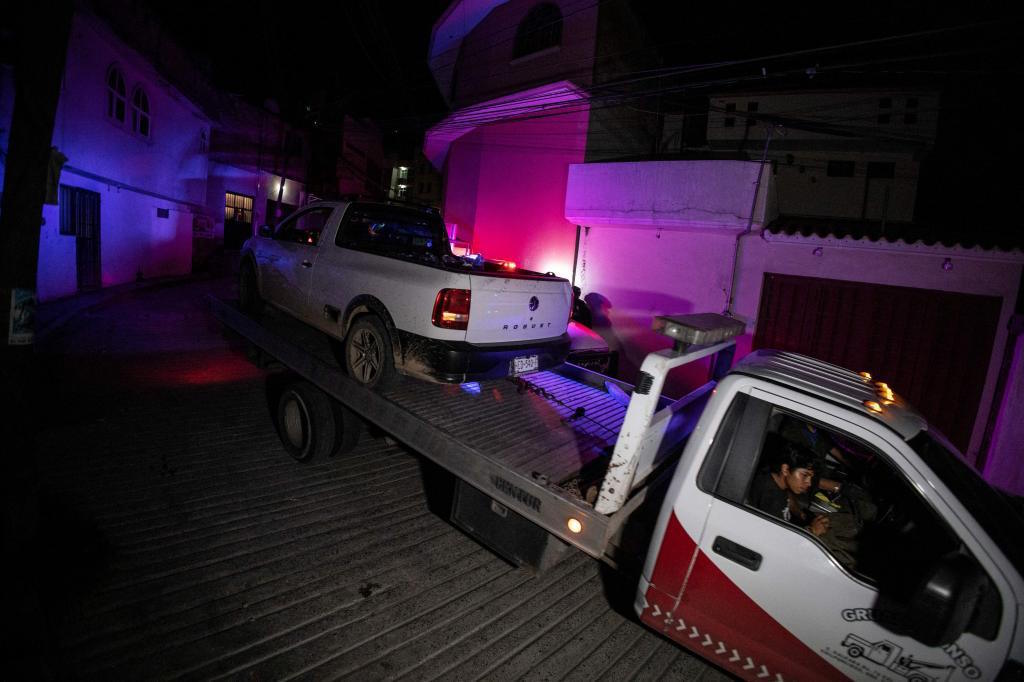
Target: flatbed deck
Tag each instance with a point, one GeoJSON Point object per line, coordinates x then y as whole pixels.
{"type": "Point", "coordinates": [524, 440]}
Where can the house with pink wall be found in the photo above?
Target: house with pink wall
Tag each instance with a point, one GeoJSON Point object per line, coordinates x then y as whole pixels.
{"type": "Point", "coordinates": [664, 237]}
{"type": "Point", "coordinates": [516, 75]}
{"type": "Point", "coordinates": [797, 223]}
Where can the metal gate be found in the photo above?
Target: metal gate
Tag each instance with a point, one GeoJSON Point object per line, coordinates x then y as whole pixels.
{"type": "Point", "coordinates": [80, 217]}
{"type": "Point", "coordinates": [932, 347]}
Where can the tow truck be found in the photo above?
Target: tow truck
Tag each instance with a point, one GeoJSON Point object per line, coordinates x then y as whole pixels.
{"type": "Point", "coordinates": [890, 656]}
{"type": "Point", "coordinates": [564, 460]}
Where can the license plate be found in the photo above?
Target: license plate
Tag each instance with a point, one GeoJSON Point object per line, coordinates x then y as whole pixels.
{"type": "Point", "coordinates": [527, 363]}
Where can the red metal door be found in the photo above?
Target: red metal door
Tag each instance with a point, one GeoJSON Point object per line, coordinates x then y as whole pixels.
{"type": "Point", "coordinates": [932, 347]}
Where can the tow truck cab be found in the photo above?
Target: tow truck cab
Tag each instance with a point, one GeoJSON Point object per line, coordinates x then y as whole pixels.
{"type": "Point", "coordinates": [921, 555]}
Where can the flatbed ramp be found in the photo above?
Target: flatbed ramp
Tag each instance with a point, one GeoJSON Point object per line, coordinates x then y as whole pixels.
{"type": "Point", "coordinates": [227, 560]}
{"type": "Point", "coordinates": [536, 443]}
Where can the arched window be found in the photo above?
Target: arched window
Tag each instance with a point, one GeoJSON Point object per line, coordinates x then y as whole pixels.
{"type": "Point", "coordinates": [542, 28]}
{"type": "Point", "coordinates": [115, 94]}
{"type": "Point", "coordinates": [140, 112]}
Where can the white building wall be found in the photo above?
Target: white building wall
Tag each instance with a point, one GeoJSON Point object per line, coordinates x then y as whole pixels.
{"type": "Point", "coordinates": [134, 175]}
{"type": "Point", "coordinates": [804, 187]}
{"type": "Point", "coordinates": [629, 274]}
{"type": "Point", "coordinates": [800, 156]}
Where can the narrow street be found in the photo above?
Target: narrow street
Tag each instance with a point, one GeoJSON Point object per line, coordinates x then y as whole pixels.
{"type": "Point", "coordinates": [191, 546]}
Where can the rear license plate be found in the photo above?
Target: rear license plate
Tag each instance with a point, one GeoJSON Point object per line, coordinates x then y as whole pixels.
{"type": "Point", "coordinates": [527, 363]}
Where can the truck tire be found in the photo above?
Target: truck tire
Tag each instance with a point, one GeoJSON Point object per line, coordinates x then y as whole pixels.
{"type": "Point", "coordinates": [248, 289]}
{"type": "Point", "coordinates": [855, 651]}
{"type": "Point", "coordinates": [347, 429]}
{"type": "Point", "coordinates": [306, 422]}
{"type": "Point", "coordinates": [368, 356]}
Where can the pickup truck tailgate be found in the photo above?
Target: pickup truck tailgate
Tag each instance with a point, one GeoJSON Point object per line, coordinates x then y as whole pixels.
{"type": "Point", "coordinates": [517, 309]}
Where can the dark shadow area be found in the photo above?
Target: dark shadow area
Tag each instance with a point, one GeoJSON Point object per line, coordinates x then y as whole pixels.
{"type": "Point", "coordinates": [274, 386]}
{"type": "Point", "coordinates": [60, 555]}
{"type": "Point", "coordinates": [630, 547]}
{"type": "Point", "coordinates": [439, 486]}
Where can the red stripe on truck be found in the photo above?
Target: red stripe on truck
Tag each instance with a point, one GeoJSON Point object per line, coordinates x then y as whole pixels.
{"type": "Point", "coordinates": [717, 620]}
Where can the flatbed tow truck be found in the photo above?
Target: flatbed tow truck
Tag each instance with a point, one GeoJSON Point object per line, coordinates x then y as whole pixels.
{"type": "Point", "coordinates": [568, 458]}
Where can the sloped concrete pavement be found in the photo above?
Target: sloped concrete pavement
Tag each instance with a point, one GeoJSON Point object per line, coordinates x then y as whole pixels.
{"type": "Point", "coordinates": [194, 547]}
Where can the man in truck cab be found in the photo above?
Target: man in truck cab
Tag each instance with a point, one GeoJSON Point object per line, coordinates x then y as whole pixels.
{"type": "Point", "coordinates": [787, 475]}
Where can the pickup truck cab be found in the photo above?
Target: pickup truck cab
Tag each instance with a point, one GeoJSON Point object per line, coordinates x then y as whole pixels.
{"type": "Point", "coordinates": [381, 278]}
{"type": "Point", "coordinates": [918, 578]}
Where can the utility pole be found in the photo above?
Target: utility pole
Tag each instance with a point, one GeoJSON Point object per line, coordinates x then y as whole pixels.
{"type": "Point", "coordinates": [37, 50]}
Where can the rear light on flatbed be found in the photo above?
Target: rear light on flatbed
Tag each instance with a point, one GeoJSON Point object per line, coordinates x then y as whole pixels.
{"type": "Point", "coordinates": [451, 309]}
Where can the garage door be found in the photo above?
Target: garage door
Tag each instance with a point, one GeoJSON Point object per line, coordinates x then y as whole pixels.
{"type": "Point", "coordinates": [932, 347]}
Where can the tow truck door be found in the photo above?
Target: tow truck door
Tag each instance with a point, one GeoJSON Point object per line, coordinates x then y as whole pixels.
{"type": "Point", "coordinates": [767, 600]}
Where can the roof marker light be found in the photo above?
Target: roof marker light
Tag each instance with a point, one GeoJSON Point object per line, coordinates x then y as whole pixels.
{"type": "Point", "coordinates": [574, 525]}
{"type": "Point", "coordinates": [866, 376]}
{"type": "Point", "coordinates": [873, 406]}
{"type": "Point", "coordinates": [883, 391]}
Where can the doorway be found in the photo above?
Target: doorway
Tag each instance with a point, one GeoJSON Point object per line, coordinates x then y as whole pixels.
{"type": "Point", "coordinates": [80, 218]}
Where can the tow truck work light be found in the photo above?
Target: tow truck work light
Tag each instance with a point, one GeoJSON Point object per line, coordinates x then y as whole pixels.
{"type": "Point", "coordinates": [574, 525]}
{"type": "Point", "coordinates": [701, 329]}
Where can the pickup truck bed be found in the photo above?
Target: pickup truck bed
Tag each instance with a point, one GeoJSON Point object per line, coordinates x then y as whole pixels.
{"type": "Point", "coordinates": [525, 441]}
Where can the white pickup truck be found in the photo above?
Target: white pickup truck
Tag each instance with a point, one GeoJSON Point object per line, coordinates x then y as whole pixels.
{"type": "Point", "coordinates": [381, 278]}
{"type": "Point", "coordinates": [706, 502]}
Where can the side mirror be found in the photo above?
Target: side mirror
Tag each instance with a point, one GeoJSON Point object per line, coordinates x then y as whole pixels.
{"type": "Point", "coordinates": [265, 231]}
{"type": "Point", "coordinates": [944, 602]}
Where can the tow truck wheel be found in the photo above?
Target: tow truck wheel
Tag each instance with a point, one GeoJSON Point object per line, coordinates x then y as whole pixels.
{"type": "Point", "coordinates": [306, 422]}
{"type": "Point", "coordinates": [368, 356]}
{"type": "Point", "coordinates": [248, 289]}
{"type": "Point", "coordinates": [855, 651]}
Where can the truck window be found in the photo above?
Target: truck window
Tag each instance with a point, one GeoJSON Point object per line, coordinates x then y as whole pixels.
{"type": "Point", "coordinates": [879, 528]}
{"type": "Point", "coordinates": [850, 498]}
{"type": "Point", "coordinates": [394, 231]}
{"type": "Point", "coordinates": [856, 505]}
{"type": "Point", "coordinates": [1000, 514]}
{"type": "Point", "coordinates": [303, 227]}
{"type": "Point", "coordinates": [735, 449]}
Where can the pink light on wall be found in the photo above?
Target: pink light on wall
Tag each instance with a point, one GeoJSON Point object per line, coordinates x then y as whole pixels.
{"type": "Point", "coordinates": [506, 188]}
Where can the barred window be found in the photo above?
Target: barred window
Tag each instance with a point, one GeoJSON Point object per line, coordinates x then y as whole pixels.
{"type": "Point", "coordinates": [238, 207]}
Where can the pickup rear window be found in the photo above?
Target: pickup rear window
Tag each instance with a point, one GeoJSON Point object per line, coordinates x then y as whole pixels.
{"type": "Point", "coordinates": [394, 231]}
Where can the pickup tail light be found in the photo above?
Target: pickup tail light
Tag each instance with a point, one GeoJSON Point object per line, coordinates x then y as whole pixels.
{"type": "Point", "coordinates": [451, 309]}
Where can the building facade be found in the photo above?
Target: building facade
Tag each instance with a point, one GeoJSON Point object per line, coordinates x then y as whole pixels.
{"type": "Point", "coordinates": [134, 180]}
{"type": "Point", "coordinates": [655, 210]}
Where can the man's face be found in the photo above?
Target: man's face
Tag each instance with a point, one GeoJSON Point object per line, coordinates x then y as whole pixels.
{"type": "Point", "coordinates": [798, 481]}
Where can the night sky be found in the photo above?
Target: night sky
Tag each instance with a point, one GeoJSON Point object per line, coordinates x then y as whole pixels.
{"type": "Point", "coordinates": [318, 60]}
{"type": "Point", "coordinates": [368, 59]}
